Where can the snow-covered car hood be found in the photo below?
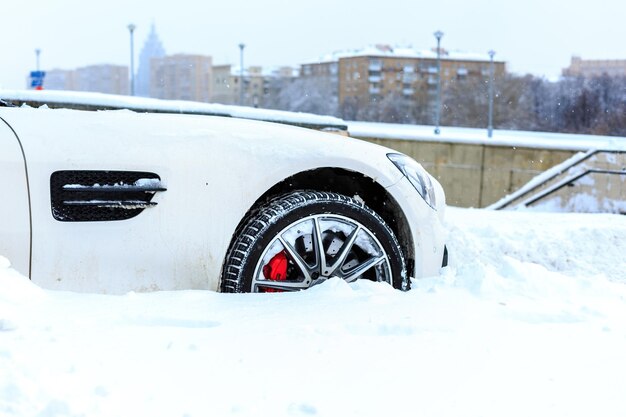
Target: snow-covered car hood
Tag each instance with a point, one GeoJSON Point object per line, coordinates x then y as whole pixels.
{"type": "Point", "coordinates": [52, 134]}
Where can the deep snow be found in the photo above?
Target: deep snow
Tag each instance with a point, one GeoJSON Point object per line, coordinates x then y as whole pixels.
{"type": "Point", "coordinates": [529, 319]}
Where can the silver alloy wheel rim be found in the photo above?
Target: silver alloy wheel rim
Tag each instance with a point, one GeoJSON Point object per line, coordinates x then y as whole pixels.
{"type": "Point", "coordinates": [325, 231]}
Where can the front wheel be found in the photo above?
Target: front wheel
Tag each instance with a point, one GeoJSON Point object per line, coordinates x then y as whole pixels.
{"type": "Point", "coordinates": [306, 237]}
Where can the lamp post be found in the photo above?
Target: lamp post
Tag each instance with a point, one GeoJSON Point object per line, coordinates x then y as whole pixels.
{"type": "Point", "coordinates": [241, 46]}
{"type": "Point", "coordinates": [438, 35]}
{"type": "Point", "coordinates": [131, 29]}
{"type": "Point", "coordinates": [37, 53]}
{"type": "Point", "coordinates": [491, 79]}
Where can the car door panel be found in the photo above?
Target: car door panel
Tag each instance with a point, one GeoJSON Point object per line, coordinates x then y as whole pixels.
{"type": "Point", "coordinates": [14, 208]}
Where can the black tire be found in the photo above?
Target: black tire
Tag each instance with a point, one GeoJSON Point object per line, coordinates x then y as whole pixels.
{"type": "Point", "coordinates": [296, 209]}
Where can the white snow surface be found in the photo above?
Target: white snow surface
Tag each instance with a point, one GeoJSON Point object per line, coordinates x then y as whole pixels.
{"type": "Point", "coordinates": [529, 320]}
{"type": "Point", "coordinates": [466, 135]}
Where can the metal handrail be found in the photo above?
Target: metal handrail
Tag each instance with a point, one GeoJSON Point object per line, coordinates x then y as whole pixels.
{"type": "Point", "coordinates": [565, 168]}
{"type": "Point", "coordinates": [569, 181]}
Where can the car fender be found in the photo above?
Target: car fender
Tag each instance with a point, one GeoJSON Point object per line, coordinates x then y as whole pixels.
{"type": "Point", "coordinates": [214, 170]}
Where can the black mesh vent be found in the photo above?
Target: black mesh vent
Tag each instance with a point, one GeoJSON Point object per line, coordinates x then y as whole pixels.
{"type": "Point", "coordinates": [91, 196]}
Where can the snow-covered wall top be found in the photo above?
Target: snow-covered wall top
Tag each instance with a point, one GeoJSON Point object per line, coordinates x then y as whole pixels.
{"type": "Point", "coordinates": [110, 101]}
{"type": "Point", "coordinates": [509, 138]}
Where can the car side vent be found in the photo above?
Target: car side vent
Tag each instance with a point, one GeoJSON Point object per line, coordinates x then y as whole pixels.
{"type": "Point", "coordinates": [92, 196]}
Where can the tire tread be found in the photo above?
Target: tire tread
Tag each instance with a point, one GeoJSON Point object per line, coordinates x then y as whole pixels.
{"type": "Point", "coordinates": [271, 212]}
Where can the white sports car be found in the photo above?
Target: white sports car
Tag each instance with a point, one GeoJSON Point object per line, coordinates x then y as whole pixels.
{"type": "Point", "coordinates": [117, 201]}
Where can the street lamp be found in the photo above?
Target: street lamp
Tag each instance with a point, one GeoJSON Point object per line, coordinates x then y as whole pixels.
{"type": "Point", "coordinates": [131, 29]}
{"type": "Point", "coordinates": [438, 35]}
{"type": "Point", "coordinates": [37, 53]}
{"type": "Point", "coordinates": [491, 80]}
{"type": "Point", "coordinates": [241, 46]}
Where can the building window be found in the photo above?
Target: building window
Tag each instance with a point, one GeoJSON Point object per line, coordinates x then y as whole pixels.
{"type": "Point", "coordinates": [374, 88]}
{"type": "Point", "coordinates": [409, 77]}
{"type": "Point", "coordinates": [375, 65]}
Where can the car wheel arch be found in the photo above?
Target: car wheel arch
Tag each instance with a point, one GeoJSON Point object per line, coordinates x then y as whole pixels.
{"type": "Point", "coordinates": [346, 182]}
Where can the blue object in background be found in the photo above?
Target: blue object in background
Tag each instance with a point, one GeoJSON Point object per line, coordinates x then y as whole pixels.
{"type": "Point", "coordinates": [36, 78]}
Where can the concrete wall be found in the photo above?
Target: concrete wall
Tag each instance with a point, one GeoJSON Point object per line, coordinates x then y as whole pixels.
{"type": "Point", "coordinates": [477, 175]}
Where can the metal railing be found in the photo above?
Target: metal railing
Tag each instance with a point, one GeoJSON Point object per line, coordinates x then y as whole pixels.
{"type": "Point", "coordinates": [570, 181]}
{"type": "Point", "coordinates": [523, 196]}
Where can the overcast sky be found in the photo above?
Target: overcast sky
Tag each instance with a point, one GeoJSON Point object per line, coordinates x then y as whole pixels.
{"type": "Point", "coordinates": [533, 36]}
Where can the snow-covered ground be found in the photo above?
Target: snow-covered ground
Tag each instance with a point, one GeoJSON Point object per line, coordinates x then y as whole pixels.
{"type": "Point", "coordinates": [529, 320]}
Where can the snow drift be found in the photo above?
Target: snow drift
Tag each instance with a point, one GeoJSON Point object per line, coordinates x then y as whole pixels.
{"type": "Point", "coordinates": [529, 319]}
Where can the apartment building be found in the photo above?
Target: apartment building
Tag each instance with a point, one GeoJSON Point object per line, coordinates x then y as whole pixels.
{"type": "Point", "coordinates": [105, 78]}
{"type": "Point", "coordinates": [181, 77]}
{"type": "Point", "coordinates": [595, 67]}
{"type": "Point", "coordinates": [260, 85]}
{"type": "Point", "coordinates": [325, 72]}
{"type": "Point", "coordinates": [376, 72]}
{"type": "Point", "coordinates": [224, 80]}
{"type": "Point", "coordinates": [60, 79]}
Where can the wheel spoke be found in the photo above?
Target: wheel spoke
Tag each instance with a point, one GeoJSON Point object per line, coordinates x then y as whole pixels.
{"type": "Point", "coordinates": [340, 258]}
{"type": "Point", "coordinates": [362, 268]}
{"type": "Point", "coordinates": [282, 285]}
{"type": "Point", "coordinates": [306, 270]}
{"type": "Point", "coordinates": [320, 253]}
{"type": "Point", "coordinates": [329, 233]}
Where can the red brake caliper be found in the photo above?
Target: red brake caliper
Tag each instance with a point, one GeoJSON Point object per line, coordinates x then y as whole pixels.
{"type": "Point", "coordinates": [276, 269]}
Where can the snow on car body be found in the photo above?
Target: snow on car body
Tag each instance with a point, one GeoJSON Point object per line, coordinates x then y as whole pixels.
{"type": "Point", "coordinates": [208, 176]}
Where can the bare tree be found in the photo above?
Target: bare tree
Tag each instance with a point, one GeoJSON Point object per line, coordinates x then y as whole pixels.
{"type": "Point", "coordinates": [306, 95]}
{"type": "Point", "coordinates": [595, 105]}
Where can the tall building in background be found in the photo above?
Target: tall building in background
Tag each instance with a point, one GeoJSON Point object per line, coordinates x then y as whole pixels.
{"type": "Point", "coordinates": [595, 67]}
{"type": "Point", "coordinates": [152, 48]}
{"type": "Point", "coordinates": [181, 77]}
